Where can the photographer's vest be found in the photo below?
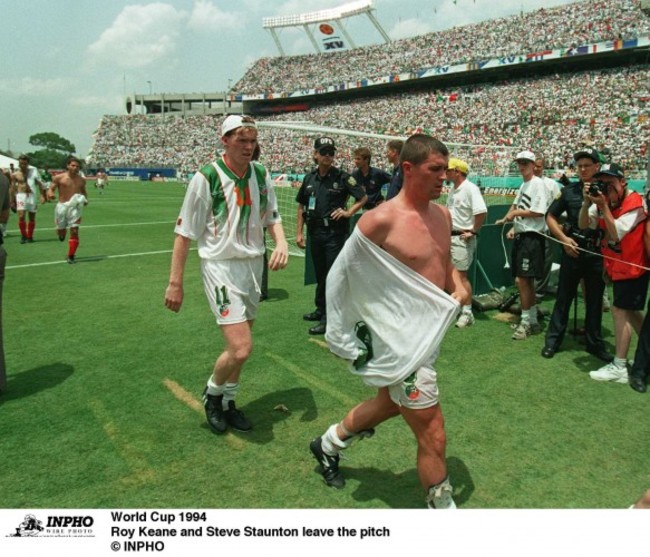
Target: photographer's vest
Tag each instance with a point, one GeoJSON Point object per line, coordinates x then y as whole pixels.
{"type": "Point", "coordinates": [630, 249]}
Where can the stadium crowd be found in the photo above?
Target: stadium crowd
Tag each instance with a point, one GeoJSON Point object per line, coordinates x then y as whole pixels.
{"type": "Point", "coordinates": [541, 114]}
{"type": "Point", "coordinates": [568, 26]}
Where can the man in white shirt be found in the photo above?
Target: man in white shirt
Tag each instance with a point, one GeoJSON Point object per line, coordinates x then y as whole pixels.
{"type": "Point", "coordinates": [527, 215]}
{"type": "Point", "coordinates": [227, 205]}
{"type": "Point", "coordinates": [468, 212]}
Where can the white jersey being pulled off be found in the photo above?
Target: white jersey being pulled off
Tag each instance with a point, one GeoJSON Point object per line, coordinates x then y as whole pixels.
{"type": "Point", "coordinates": [407, 315]}
{"type": "Point", "coordinates": [225, 214]}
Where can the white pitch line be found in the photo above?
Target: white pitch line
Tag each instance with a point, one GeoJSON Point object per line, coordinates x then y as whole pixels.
{"type": "Point", "coordinates": [98, 258]}
{"type": "Point", "coordinates": [85, 227]}
{"type": "Point", "coordinates": [91, 258]}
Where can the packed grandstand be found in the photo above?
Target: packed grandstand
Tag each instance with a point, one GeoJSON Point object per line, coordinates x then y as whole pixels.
{"type": "Point", "coordinates": [550, 113]}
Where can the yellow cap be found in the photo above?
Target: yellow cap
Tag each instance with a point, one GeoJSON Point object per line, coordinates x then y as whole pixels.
{"type": "Point", "coordinates": [457, 164]}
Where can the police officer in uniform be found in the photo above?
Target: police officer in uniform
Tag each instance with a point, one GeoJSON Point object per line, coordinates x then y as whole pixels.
{"type": "Point", "coordinates": [322, 201]}
{"type": "Point", "coordinates": [576, 265]}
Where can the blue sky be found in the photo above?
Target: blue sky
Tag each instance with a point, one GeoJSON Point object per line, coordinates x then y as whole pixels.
{"type": "Point", "coordinates": [65, 64]}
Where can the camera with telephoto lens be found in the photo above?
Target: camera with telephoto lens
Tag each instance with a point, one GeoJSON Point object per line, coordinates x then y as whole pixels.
{"type": "Point", "coordinates": [598, 187]}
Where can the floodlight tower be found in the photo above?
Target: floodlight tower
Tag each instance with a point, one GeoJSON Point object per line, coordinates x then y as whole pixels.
{"type": "Point", "coordinates": [323, 17]}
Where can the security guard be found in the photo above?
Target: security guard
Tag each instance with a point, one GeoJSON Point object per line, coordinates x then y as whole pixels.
{"type": "Point", "coordinates": [575, 264]}
{"type": "Point", "coordinates": [322, 201]}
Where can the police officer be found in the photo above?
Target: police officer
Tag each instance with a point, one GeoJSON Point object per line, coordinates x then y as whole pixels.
{"type": "Point", "coordinates": [575, 264]}
{"type": "Point", "coordinates": [370, 178]}
{"type": "Point", "coordinates": [322, 200]}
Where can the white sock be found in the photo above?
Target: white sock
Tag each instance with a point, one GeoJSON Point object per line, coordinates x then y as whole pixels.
{"type": "Point", "coordinates": [620, 362]}
{"type": "Point", "coordinates": [525, 316]}
{"type": "Point", "coordinates": [331, 442]}
{"type": "Point", "coordinates": [467, 309]}
{"type": "Point", "coordinates": [214, 389]}
{"type": "Point", "coordinates": [229, 393]}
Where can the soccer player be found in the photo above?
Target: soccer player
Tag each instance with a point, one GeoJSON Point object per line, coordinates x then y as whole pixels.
{"type": "Point", "coordinates": [227, 205]}
{"type": "Point", "coordinates": [388, 313]}
{"type": "Point", "coordinates": [72, 198]}
{"type": "Point", "coordinates": [27, 189]}
{"type": "Point", "coordinates": [101, 180]}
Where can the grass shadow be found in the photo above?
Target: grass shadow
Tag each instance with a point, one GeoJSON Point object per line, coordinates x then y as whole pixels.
{"type": "Point", "coordinates": [32, 381]}
{"type": "Point", "coordinates": [402, 490]}
{"type": "Point", "coordinates": [91, 259]}
{"type": "Point", "coordinates": [277, 294]}
{"type": "Point", "coordinates": [274, 408]}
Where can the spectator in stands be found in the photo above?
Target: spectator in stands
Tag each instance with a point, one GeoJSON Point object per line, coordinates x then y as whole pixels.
{"type": "Point", "coordinates": [370, 178]}
{"type": "Point", "coordinates": [468, 212]}
{"type": "Point", "coordinates": [620, 213]}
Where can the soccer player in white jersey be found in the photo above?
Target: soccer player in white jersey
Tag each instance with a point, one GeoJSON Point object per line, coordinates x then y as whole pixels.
{"type": "Point", "coordinates": [227, 205]}
{"type": "Point", "coordinates": [468, 212]}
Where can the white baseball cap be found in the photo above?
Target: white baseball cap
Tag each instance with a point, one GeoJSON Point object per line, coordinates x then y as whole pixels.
{"type": "Point", "coordinates": [235, 121]}
{"type": "Point", "coordinates": [525, 156]}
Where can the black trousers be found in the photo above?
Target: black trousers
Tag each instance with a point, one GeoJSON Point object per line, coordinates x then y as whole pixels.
{"type": "Point", "coordinates": [589, 268]}
{"type": "Point", "coordinates": [326, 243]}
{"type": "Point", "coordinates": [641, 365]}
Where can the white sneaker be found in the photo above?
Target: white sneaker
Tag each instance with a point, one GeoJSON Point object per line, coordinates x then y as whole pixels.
{"type": "Point", "coordinates": [465, 320]}
{"type": "Point", "coordinates": [439, 496]}
{"type": "Point", "coordinates": [610, 372]}
{"type": "Point", "coordinates": [522, 332]}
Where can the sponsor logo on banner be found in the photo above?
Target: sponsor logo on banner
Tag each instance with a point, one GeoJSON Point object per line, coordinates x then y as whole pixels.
{"type": "Point", "coordinates": [331, 41]}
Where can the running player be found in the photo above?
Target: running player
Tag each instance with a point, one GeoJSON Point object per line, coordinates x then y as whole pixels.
{"type": "Point", "coordinates": [72, 198]}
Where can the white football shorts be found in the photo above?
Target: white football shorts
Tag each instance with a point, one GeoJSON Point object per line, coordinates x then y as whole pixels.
{"type": "Point", "coordinates": [233, 288]}
{"type": "Point", "coordinates": [26, 202]}
{"type": "Point", "coordinates": [418, 390]}
{"type": "Point", "coordinates": [67, 216]}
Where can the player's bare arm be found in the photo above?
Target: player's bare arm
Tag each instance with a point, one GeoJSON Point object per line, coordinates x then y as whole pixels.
{"type": "Point", "coordinates": [174, 291]}
{"type": "Point", "coordinates": [280, 255]}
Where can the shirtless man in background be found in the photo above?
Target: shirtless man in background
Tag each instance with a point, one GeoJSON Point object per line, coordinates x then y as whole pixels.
{"type": "Point", "coordinates": [72, 198]}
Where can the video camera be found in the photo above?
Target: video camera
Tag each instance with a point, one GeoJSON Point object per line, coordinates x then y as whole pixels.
{"type": "Point", "coordinates": [587, 239]}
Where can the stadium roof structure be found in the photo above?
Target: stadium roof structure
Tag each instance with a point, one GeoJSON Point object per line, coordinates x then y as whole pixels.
{"type": "Point", "coordinates": [324, 18]}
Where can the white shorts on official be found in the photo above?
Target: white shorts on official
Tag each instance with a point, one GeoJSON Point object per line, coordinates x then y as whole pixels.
{"type": "Point", "coordinates": [233, 288]}
{"type": "Point", "coordinates": [418, 390]}
{"type": "Point", "coordinates": [26, 202]}
{"type": "Point", "coordinates": [462, 252]}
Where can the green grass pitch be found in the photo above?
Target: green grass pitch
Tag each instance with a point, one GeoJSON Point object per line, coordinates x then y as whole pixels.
{"type": "Point", "coordinates": [103, 401]}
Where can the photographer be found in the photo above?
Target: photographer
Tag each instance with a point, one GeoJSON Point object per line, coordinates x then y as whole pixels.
{"type": "Point", "coordinates": [621, 214]}
{"type": "Point", "coordinates": [576, 264]}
